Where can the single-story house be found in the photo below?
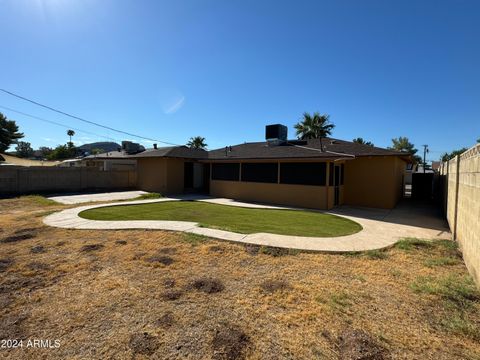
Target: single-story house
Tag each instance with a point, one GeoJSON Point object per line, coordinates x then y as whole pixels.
{"type": "Point", "coordinates": [312, 173]}
{"type": "Point", "coordinates": [113, 160]}
{"type": "Point", "coordinates": [167, 170]}
{"type": "Point", "coordinates": [16, 161]}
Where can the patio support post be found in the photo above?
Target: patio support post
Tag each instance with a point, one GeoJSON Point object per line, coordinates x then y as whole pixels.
{"type": "Point", "coordinates": [327, 183]}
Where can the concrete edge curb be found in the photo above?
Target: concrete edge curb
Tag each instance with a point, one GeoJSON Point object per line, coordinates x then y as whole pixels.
{"type": "Point", "coordinates": [361, 241]}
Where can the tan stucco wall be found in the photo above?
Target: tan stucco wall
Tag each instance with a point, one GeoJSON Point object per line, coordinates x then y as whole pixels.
{"type": "Point", "coordinates": [161, 175]}
{"type": "Point", "coordinates": [371, 182]}
{"type": "Point", "coordinates": [374, 181]}
{"type": "Point", "coordinates": [152, 174]}
{"type": "Point", "coordinates": [294, 195]}
{"type": "Point", "coordinates": [400, 170]}
{"type": "Point", "coordinates": [342, 195]}
{"type": "Point", "coordinates": [175, 172]}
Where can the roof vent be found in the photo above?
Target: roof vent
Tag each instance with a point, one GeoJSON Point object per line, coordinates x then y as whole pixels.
{"type": "Point", "coordinates": [227, 150]}
{"type": "Point", "coordinates": [276, 134]}
{"type": "Point", "coordinates": [155, 146]}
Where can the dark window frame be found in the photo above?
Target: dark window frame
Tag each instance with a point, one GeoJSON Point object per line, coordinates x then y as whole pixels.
{"type": "Point", "coordinates": [303, 173]}
{"type": "Point", "coordinates": [226, 171]}
{"type": "Point", "coordinates": [261, 172]}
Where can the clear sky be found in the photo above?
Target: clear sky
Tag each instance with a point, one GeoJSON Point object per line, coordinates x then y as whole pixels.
{"type": "Point", "coordinates": [224, 69]}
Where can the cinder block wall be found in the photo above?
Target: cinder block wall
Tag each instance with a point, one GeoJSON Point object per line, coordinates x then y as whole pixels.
{"type": "Point", "coordinates": [462, 207]}
{"type": "Point", "coordinates": [22, 180]}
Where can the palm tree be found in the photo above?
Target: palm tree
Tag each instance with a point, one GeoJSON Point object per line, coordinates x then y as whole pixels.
{"type": "Point", "coordinates": [315, 126]}
{"type": "Point", "coordinates": [360, 140]}
{"type": "Point", "coordinates": [70, 133]}
{"type": "Point", "coordinates": [197, 142]}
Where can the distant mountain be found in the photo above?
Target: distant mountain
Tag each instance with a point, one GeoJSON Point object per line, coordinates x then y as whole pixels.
{"type": "Point", "coordinates": [105, 146]}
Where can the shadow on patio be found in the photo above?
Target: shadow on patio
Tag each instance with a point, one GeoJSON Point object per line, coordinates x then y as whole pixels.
{"type": "Point", "coordinates": [409, 212]}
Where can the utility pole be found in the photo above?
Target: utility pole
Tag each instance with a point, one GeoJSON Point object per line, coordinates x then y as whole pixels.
{"type": "Point", "coordinates": [425, 151]}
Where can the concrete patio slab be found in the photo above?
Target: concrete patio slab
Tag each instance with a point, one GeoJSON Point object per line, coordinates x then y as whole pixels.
{"type": "Point", "coordinates": [381, 228]}
{"type": "Point", "coordinates": [84, 198]}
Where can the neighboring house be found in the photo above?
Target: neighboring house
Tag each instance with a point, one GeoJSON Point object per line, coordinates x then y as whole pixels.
{"type": "Point", "coordinates": [13, 160]}
{"type": "Point", "coordinates": [436, 166]}
{"type": "Point", "coordinates": [419, 170]}
{"type": "Point", "coordinates": [167, 170]}
{"type": "Point", "coordinates": [279, 171]}
{"type": "Point", "coordinates": [71, 163]}
{"type": "Point", "coordinates": [111, 163]}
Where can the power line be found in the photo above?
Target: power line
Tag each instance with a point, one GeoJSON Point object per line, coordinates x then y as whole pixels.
{"type": "Point", "coordinates": [56, 123]}
{"type": "Point", "coordinates": [84, 120]}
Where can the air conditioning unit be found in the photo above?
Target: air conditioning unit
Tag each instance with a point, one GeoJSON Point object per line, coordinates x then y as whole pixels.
{"type": "Point", "coordinates": [276, 134]}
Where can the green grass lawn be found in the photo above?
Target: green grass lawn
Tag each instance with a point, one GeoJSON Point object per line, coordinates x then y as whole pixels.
{"type": "Point", "coordinates": [236, 219]}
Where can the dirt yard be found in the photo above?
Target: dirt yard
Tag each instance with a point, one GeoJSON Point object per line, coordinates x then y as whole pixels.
{"type": "Point", "coordinates": [164, 295]}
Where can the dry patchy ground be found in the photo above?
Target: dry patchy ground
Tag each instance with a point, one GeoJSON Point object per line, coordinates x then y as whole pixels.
{"type": "Point", "coordinates": [156, 294]}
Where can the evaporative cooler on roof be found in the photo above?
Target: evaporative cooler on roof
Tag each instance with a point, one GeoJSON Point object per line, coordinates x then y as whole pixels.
{"type": "Point", "coordinates": [276, 134]}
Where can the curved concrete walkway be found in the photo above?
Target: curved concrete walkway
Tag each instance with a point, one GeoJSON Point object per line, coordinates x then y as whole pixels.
{"type": "Point", "coordinates": [377, 231]}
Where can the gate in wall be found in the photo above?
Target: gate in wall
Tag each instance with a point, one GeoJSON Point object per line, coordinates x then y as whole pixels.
{"type": "Point", "coordinates": [422, 186]}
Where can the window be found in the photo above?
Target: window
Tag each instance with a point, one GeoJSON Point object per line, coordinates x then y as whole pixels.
{"type": "Point", "coordinates": [227, 171]}
{"type": "Point", "coordinates": [303, 173]}
{"type": "Point", "coordinates": [342, 174]}
{"type": "Point", "coordinates": [260, 172]}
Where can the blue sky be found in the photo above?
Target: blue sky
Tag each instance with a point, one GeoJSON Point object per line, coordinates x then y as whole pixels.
{"type": "Point", "coordinates": [224, 69]}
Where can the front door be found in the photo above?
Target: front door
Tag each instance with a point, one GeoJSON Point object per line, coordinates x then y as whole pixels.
{"type": "Point", "coordinates": [188, 175]}
{"type": "Point", "coordinates": [336, 184]}
{"type": "Point", "coordinates": [206, 178]}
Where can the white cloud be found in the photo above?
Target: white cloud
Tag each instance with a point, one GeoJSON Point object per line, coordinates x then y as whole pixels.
{"type": "Point", "coordinates": [175, 106]}
{"type": "Point", "coordinates": [49, 140]}
{"type": "Point", "coordinates": [171, 100]}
